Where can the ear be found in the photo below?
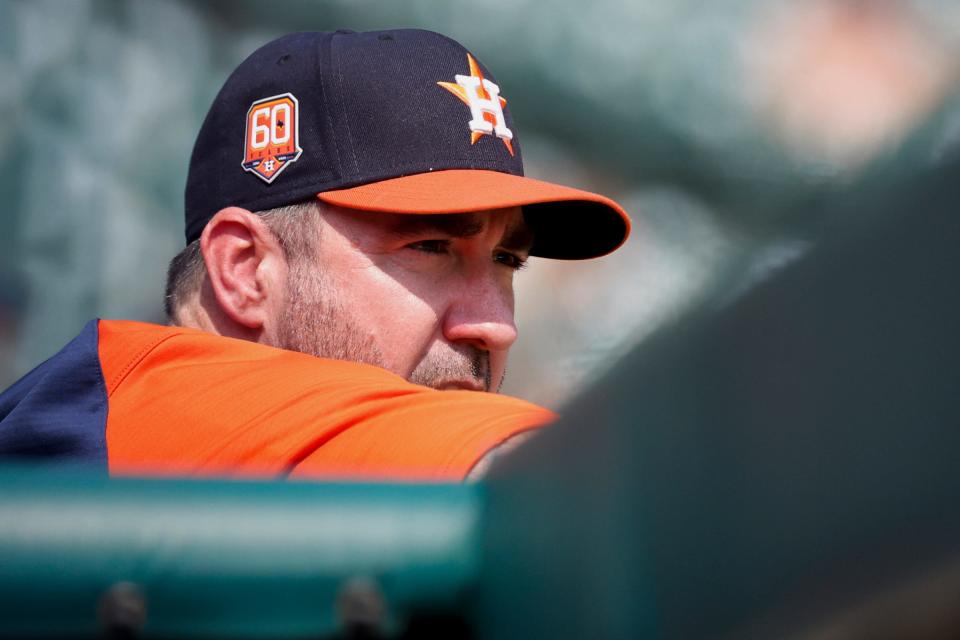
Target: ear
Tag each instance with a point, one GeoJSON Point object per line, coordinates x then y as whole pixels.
{"type": "Point", "coordinates": [246, 267]}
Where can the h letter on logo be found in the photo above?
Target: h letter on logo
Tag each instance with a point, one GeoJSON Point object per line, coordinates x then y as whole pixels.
{"type": "Point", "coordinates": [480, 106]}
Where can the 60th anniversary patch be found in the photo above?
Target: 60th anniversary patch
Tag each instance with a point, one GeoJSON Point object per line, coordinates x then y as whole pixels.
{"type": "Point", "coordinates": [273, 136]}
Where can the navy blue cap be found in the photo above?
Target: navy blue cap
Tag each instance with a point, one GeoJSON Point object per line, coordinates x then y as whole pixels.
{"type": "Point", "coordinates": [402, 121]}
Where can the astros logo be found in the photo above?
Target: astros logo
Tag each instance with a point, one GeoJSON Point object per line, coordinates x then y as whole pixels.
{"type": "Point", "coordinates": [273, 136]}
{"type": "Point", "coordinates": [486, 105]}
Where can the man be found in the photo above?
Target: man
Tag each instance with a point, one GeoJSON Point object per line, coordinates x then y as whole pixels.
{"type": "Point", "coordinates": [355, 197]}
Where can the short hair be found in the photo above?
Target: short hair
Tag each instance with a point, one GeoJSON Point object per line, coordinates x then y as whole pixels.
{"type": "Point", "coordinates": [294, 225]}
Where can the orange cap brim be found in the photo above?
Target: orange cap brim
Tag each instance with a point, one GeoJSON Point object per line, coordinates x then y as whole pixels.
{"type": "Point", "coordinates": [567, 223]}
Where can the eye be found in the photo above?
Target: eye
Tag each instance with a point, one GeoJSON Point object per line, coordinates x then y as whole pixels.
{"type": "Point", "coordinates": [430, 246]}
{"type": "Point", "coordinates": [510, 260]}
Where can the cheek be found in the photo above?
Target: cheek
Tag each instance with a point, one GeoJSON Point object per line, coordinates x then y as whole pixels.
{"type": "Point", "coordinates": [402, 323]}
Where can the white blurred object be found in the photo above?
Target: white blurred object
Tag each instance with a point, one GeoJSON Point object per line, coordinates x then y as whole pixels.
{"type": "Point", "coordinates": [840, 80]}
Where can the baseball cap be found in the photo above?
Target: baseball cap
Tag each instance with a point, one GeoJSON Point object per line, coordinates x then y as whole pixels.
{"type": "Point", "coordinates": [399, 121]}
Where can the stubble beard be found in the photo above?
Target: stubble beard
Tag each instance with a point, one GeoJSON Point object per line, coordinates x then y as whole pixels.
{"type": "Point", "coordinates": [317, 323]}
{"type": "Point", "coordinates": [460, 363]}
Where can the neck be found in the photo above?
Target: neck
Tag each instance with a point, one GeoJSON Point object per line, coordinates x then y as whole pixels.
{"type": "Point", "coordinates": [201, 311]}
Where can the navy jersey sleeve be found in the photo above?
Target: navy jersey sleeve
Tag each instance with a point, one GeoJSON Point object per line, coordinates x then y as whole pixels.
{"type": "Point", "coordinates": [58, 411]}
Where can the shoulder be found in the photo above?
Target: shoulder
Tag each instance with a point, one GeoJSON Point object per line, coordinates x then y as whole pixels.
{"type": "Point", "coordinates": [189, 401]}
{"type": "Point", "coordinates": [483, 466]}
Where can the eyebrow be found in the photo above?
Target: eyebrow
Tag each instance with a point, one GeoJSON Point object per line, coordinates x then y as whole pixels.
{"type": "Point", "coordinates": [455, 225]}
{"type": "Point", "coordinates": [518, 238]}
{"type": "Point", "coordinates": [460, 225]}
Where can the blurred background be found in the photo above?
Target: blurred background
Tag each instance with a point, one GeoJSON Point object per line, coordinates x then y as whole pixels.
{"type": "Point", "coordinates": [723, 128]}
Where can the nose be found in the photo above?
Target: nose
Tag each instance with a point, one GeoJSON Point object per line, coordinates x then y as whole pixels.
{"type": "Point", "coordinates": [480, 313]}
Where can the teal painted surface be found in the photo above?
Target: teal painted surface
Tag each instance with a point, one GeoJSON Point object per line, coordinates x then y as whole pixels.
{"type": "Point", "coordinates": [226, 559]}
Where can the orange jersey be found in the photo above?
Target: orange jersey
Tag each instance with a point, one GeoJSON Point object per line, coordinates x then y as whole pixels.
{"type": "Point", "coordinates": [144, 399]}
{"type": "Point", "coordinates": [183, 401]}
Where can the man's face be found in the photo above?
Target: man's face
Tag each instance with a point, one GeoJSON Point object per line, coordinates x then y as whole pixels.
{"type": "Point", "coordinates": [428, 297]}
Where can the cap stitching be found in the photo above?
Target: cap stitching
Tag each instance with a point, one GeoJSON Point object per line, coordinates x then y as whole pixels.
{"type": "Point", "coordinates": [346, 122]}
{"type": "Point", "coordinates": [326, 114]}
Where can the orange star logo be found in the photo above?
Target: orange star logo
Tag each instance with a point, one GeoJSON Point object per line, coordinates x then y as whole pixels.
{"type": "Point", "coordinates": [486, 104]}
